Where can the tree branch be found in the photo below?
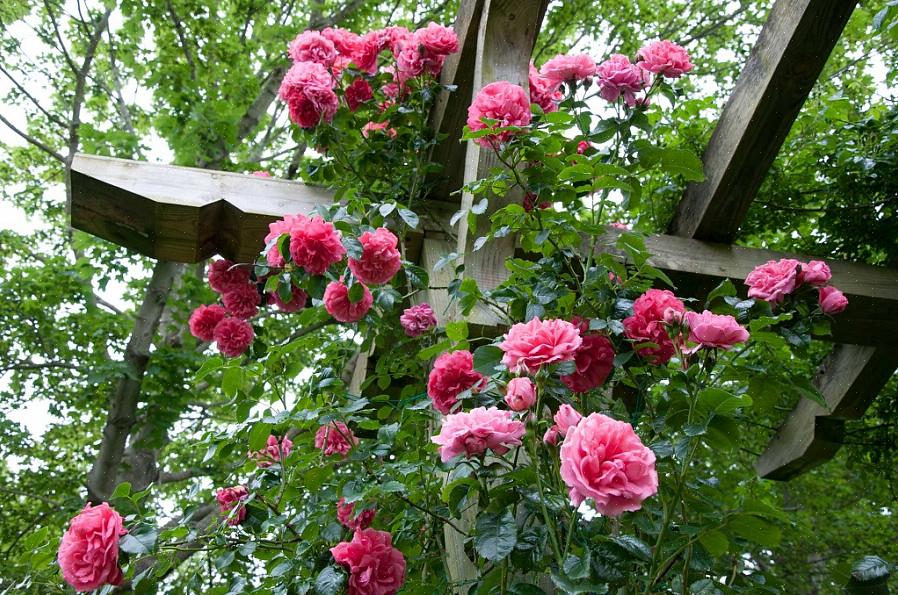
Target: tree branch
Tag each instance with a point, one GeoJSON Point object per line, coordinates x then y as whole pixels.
{"type": "Point", "coordinates": [33, 141]}
{"type": "Point", "coordinates": [52, 117]}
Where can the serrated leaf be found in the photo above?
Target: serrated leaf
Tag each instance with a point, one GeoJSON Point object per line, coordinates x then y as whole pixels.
{"type": "Point", "coordinates": [495, 535]}
{"type": "Point", "coordinates": [330, 581]}
{"type": "Point", "coordinates": [577, 567]}
{"type": "Point", "coordinates": [634, 546]}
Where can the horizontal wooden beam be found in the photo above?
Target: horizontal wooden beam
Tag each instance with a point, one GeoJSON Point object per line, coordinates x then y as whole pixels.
{"type": "Point", "coordinates": [849, 380]}
{"type": "Point", "coordinates": [789, 55]}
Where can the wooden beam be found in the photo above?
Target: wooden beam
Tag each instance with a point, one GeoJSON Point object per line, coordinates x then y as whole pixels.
{"type": "Point", "coordinates": [849, 380]}
{"type": "Point", "coordinates": [789, 55]}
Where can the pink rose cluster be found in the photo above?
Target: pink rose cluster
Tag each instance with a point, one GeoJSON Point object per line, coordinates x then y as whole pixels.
{"type": "Point", "coordinates": [472, 433]}
{"type": "Point", "coordinates": [565, 418]}
{"type": "Point", "coordinates": [348, 518]}
{"type": "Point", "coordinates": [453, 373]}
{"type": "Point", "coordinates": [502, 102]}
{"type": "Point", "coordinates": [593, 360]}
{"type": "Point", "coordinates": [603, 460]}
{"type": "Point", "coordinates": [375, 566]}
{"type": "Point", "coordinates": [320, 57]}
{"type": "Point", "coordinates": [231, 499]}
{"type": "Point", "coordinates": [529, 346]}
{"type": "Point", "coordinates": [89, 550]}
{"type": "Point", "coordinates": [418, 319]}
{"type": "Point", "coordinates": [775, 279]}
{"type": "Point", "coordinates": [273, 452]}
{"type": "Point", "coordinates": [335, 438]}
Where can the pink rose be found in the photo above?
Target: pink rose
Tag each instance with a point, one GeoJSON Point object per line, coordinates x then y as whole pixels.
{"type": "Point", "coordinates": [224, 274]}
{"type": "Point", "coordinates": [618, 76]}
{"type": "Point", "coordinates": [452, 374]}
{"type": "Point", "coordinates": [340, 64]}
{"type": "Point", "coordinates": [315, 245]}
{"type": "Point", "coordinates": [437, 39]}
{"type": "Point", "coordinates": [471, 433]}
{"type": "Point", "coordinates": [410, 61]}
{"type": "Point", "coordinates": [338, 304]}
{"type": "Point", "coordinates": [642, 330]}
{"type": "Point", "coordinates": [88, 552]}
{"type": "Point", "coordinates": [501, 101]}
{"type": "Point", "coordinates": [335, 438]}
{"type": "Point", "coordinates": [621, 226]}
{"type": "Point", "coordinates": [713, 330]}
{"type": "Point", "coordinates": [375, 566]}
{"type": "Point", "coordinates": [417, 320]}
{"type": "Point", "coordinates": [594, 361]}
{"type": "Point", "coordinates": [391, 38]}
{"type": "Point", "coordinates": [233, 336]}
{"type": "Point", "coordinates": [520, 394]}
{"type": "Point", "coordinates": [531, 201]}
{"type": "Point", "coordinates": [832, 301]}
{"type": "Point", "coordinates": [357, 93]}
{"type": "Point", "coordinates": [384, 127]}
{"type": "Point", "coordinates": [346, 516]}
{"type": "Point", "coordinates": [552, 436]}
{"type": "Point", "coordinates": [275, 230]}
{"type": "Point", "coordinates": [365, 51]}
{"type": "Point", "coordinates": [232, 498]}
{"type": "Point", "coordinates": [665, 58]}
{"type": "Point", "coordinates": [308, 89]}
{"type": "Point", "coordinates": [261, 174]}
{"type": "Point", "coordinates": [380, 259]}
{"type": "Point", "coordinates": [582, 147]}
{"type": "Point", "coordinates": [242, 301]}
{"type": "Point", "coordinates": [815, 273]}
{"type": "Point", "coordinates": [604, 460]}
{"type": "Point", "coordinates": [272, 452]}
{"type": "Point", "coordinates": [203, 321]}
{"type": "Point", "coordinates": [568, 68]}
{"type": "Point", "coordinates": [566, 418]}
{"type": "Point", "coordinates": [298, 299]}
{"type": "Point", "coordinates": [344, 41]}
{"type": "Point", "coordinates": [529, 346]}
{"type": "Point", "coordinates": [543, 92]}
{"type": "Point", "coordinates": [654, 304]}
{"type": "Point", "coordinates": [773, 280]}
{"type": "Point", "coordinates": [312, 46]}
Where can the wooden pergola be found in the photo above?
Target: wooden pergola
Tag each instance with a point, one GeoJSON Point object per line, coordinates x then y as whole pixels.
{"type": "Point", "coordinates": [187, 215]}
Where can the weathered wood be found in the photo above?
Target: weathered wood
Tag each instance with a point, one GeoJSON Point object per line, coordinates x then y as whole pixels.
{"type": "Point", "coordinates": [780, 73]}
{"type": "Point", "coordinates": [849, 380]}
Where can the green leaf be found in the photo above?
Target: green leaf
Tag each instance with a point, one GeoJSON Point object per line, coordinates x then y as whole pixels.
{"type": "Point", "coordinates": [577, 567]}
{"type": "Point", "coordinates": [330, 581]}
{"type": "Point", "coordinates": [139, 541]}
{"type": "Point", "coordinates": [869, 570]}
{"type": "Point", "coordinates": [231, 380]}
{"type": "Point", "coordinates": [410, 218]}
{"type": "Point", "coordinates": [570, 586]}
{"type": "Point", "coordinates": [122, 490]}
{"type": "Point", "coordinates": [356, 293]}
{"type": "Point", "coordinates": [258, 436]}
{"type": "Point", "coordinates": [724, 289]}
{"type": "Point", "coordinates": [756, 530]}
{"type": "Point", "coordinates": [488, 359]}
{"type": "Point", "coordinates": [457, 331]}
{"type": "Point", "coordinates": [525, 588]}
{"type": "Point", "coordinates": [715, 542]}
{"type": "Point", "coordinates": [634, 546]}
{"type": "Point", "coordinates": [496, 535]}
{"type": "Point", "coordinates": [717, 400]}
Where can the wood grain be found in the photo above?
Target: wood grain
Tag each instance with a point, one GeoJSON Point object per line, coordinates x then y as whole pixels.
{"type": "Point", "coordinates": [789, 55]}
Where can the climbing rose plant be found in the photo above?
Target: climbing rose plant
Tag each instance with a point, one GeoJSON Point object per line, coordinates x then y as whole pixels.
{"type": "Point", "coordinates": [561, 451]}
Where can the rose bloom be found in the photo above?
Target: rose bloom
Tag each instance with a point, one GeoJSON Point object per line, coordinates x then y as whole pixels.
{"type": "Point", "coordinates": [347, 517]}
{"type": "Point", "coordinates": [390, 37]}
{"type": "Point", "coordinates": [261, 174]}
{"type": "Point", "coordinates": [242, 301]}
{"type": "Point", "coordinates": [713, 330]}
{"type": "Point", "coordinates": [312, 46]}
{"type": "Point", "coordinates": [342, 39]}
{"type": "Point", "coordinates": [335, 438]}
{"type": "Point", "coordinates": [375, 566]}
{"type": "Point", "coordinates": [501, 101]}
{"type": "Point", "coordinates": [471, 433]}
{"type": "Point", "coordinates": [665, 58]}
{"type": "Point", "coordinates": [380, 259]}
{"type": "Point", "coordinates": [520, 394]}
{"type": "Point", "coordinates": [529, 346]}
{"type": "Point", "coordinates": [315, 245]}
{"type": "Point", "coordinates": [223, 275]}
{"type": "Point", "coordinates": [437, 39]}
{"type": "Point", "coordinates": [357, 93]}
{"type": "Point", "coordinates": [655, 303]}
{"type": "Point", "coordinates": [643, 330]}
{"type": "Point", "coordinates": [815, 273]}
{"type": "Point", "coordinates": [568, 68]}
{"type": "Point", "coordinates": [618, 76]}
{"type": "Point", "coordinates": [203, 321]}
{"type": "Point", "coordinates": [831, 300]}
{"type": "Point", "coordinates": [233, 336]}
{"type": "Point", "coordinates": [452, 373]}
{"type": "Point", "coordinates": [531, 201]}
{"type": "Point", "coordinates": [308, 89]}
{"type": "Point", "coordinates": [410, 61]}
{"type": "Point", "coordinates": [543, 92]}
{"type": "Point", "coordinates": [384, 127]}
{"type": "Point", "coordinates": [230, 498]}
{"type": "Point", "coordinates": [417, 320]}
{"type": "Point", "coordinates": [298, 299]}
{"type": "Point", "coordinates": [88, 552]}
{"type": "Point", "coordinates": [604, 460]}
{"type": "Point", "coordinates": [340, 64]}
{"type": "Point", "coordinates": [773, 280]}
{"type": "Point", "coordinates": [275, 230]}
{"type": "Point", "coordinates": [583, 146]}
{"type": "Point", "coordinates": [338, 305]}
{"type": "Point", "coordinates": [621, 226]}
{"type": "Point", "coordinates": [273, 452]}
{"type": "Point", "coordinates": [594, 361]}
{"type": "Point", "coordinates": [566, 418]}
{"type": "Point", "coordinates": [552, 436]}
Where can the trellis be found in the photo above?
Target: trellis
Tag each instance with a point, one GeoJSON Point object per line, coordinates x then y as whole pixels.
{"type": "Point", "coordinates": [187, 215]}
